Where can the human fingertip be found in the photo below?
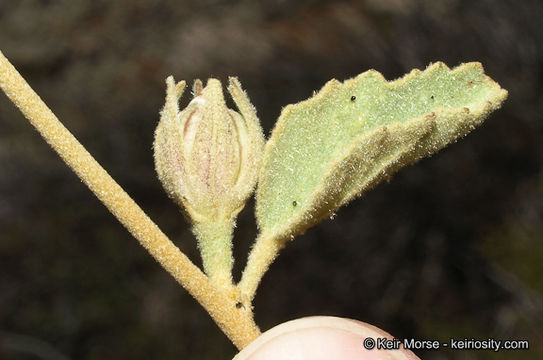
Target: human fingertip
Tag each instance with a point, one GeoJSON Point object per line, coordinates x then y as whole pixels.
{"type": "Point", "coordinates": [321, 337]}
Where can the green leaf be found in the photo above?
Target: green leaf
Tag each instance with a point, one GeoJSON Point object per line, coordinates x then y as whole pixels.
{"type": "Point", "coordinates": [350, 136]}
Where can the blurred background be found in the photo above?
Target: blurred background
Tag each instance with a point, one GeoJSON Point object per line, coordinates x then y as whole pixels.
{"type": "Point", "coordinates": [450, 248]}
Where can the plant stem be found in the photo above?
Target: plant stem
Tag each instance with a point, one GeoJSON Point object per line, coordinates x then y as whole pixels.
{"type": "Point", "coordinates": [237, 324]}
{"type": "Point", "coordinates": [262, 255]}
{"type": "Point", "coordinates": [215, 242]}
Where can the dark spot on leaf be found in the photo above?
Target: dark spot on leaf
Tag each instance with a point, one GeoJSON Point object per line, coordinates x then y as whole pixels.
{"type": "Point", "coordinates": [432, 97]}
{"type": "Point", "coordinates": [294, 203]}
{"type": "Point", "coordinates": [431, 115]}
{"type": "Point", "coordinates": [353, 98]}
{"type": "Point", "coordinates": [239, 305]}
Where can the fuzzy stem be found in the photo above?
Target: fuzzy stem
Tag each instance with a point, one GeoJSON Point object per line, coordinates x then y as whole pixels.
{"type": "Point", "coordinates": [237, 324]}
{"type": "Point", "coordinates": [215, 242]}
{"type": "Point", "coordinates": [265, 250]}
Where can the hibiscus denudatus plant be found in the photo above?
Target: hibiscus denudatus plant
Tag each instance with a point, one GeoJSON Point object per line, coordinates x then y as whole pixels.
{"type": "Point", "coordinates": [322, 153]}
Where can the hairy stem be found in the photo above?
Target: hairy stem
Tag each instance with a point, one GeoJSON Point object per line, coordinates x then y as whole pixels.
{"type": "Point", "coordinates": [265, 250]}
{"type": "Point", "coordinates": [236, 323]}
{"type": "Point", "coordinates": [215, 243]}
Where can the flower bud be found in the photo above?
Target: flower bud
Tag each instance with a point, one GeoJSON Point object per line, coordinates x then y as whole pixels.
{"type": "Point", "coordinates": [208, 156]}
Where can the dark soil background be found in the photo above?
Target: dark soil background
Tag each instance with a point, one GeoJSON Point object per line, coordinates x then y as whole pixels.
{"type": "Point", "coordinates": [450, 248]}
